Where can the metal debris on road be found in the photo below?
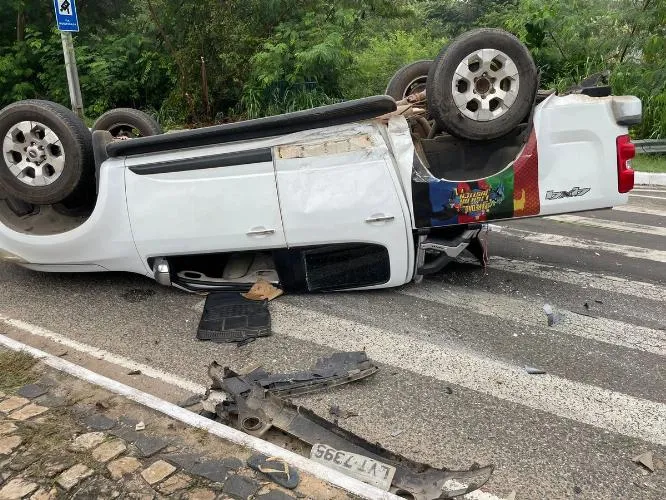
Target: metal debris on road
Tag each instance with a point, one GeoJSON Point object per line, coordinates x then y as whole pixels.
{"type": "Point", "coordinates": [534, 371]}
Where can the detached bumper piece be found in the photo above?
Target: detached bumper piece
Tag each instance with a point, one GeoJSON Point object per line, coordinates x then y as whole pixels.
{"type": "Point", "coordinates": [253, 406]}
{"type": "Point", "coordinates": [229, 317]}
{"type": "Point", "coordinates": [339, 369]}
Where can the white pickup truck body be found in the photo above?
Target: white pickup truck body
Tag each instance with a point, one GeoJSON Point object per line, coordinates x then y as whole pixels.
{"type": "Point", "coordinates": [350, 201]}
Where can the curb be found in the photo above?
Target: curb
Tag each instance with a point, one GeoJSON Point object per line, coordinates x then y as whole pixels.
{"type": "Point", "coordinates": [322, 472]}
{"type": "Point", "coordinates": [650, 178]}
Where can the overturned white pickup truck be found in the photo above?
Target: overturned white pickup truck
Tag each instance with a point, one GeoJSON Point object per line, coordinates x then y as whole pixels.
{"type": "Point", "coordinates": [361, 194]}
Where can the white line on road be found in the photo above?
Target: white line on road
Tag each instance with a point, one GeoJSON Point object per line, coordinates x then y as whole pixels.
{"type": "Point", "coordinates": [640, 210]}
{"type": "Point", "coordinates": [603, 408]}
{"type": "Point", "coordinates": [190, 418]}
{"type": "Point", "coordinates": [644, 190]}
{"type": "Point", "coordinates": [531, 313]}
{"type": "Point", "coordinates": [105, 355]}
{"type": "Point", "coordinates": [646, 196]}
{"type": "Point", "coordinates": [628, 227]}
{"type": "Point", "coordinates": [583, 279]}
{"type": "Point", "coordinates": [601, 246]}
{"type": "Point", "coordinates": [326, 474]}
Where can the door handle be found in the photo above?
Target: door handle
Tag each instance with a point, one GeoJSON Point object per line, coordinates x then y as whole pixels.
{"type": "Point", "coordinates": [260, 231]}
{"type": "Point", "coordinates": [379, 218]}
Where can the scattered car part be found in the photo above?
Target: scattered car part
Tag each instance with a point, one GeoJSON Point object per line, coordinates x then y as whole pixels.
{"type": "Point", "coordinates": [409, 79]}
{"type": "Point", "coordinates": [256, 411]}
{"type": "Point", "coordinates": [228, 317]}
{"type": "Point", "coordinates": [534, 371]}
{"type": "Point", "coordinates": [338, 369]}
{"type": "Point", "coordinates": [646, 460]}
{"type": "Point", "coordinates": [482, 85]}
{"type": "Point", "coordinates": [276, 469]}
{"type": "Point", "coordinates": [361, 467]}
{"type": "Point", "coordinates": [338, 412]}
{"type": "Point", "coordinates": [127, 123]}
{"type": "Point", "coordinates": [46, 152]}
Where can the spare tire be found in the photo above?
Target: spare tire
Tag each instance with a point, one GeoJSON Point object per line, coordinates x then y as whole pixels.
{"type": "Point", "coordinates": [46, 152]}
{"type": "Point", "coordinates": [128, 123]}
{"type": "Point", "coordinates": [482, 85]}
{"type": "Point", "coordinates": [409, 80]}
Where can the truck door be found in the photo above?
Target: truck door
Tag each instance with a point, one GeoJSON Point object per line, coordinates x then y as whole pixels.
{"type": "Point", "coordinates": [345, 190]}
{"type": "Point", "coordinates": [215, 199]}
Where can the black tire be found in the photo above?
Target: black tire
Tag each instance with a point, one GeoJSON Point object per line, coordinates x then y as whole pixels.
{"type": "Point", "coordinates": [74, 139]}
{"type": "Point", "coordinates": [128, 122]}
{"type": "Point", "coordinates": [409, 80]}
{"type": "Point", "coordinates": [441, 104]}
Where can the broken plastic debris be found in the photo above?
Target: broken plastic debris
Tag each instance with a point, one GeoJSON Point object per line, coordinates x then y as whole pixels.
{"type": "Point", "coordinates": [140, 426]}
{"type": "Point", "coordinates": [336, 411]}
{"type": "Point", "coordinates": [254, 408]}
{"type": "Point", "coordinates": [337, 369]}
{"type": "Point", "coordinates": [646, 460]}
{"type": "Point", "coordinates": [263, 290]}
{"type": "Point", "coordinates": [534, 371]}
{"type": "Point", "coordinates": [275, 469]}
{"type": "Point", "coordinates": [553, 317]}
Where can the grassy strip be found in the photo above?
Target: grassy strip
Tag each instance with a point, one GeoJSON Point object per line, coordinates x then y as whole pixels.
{"type": "Point", "coordinates": [15, 370]}
{"type": "Point", "coordinates": [649, 163]}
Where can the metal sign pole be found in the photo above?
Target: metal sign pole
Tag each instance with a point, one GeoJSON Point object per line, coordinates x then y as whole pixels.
{"type": "Point", "coordinates": [68, 21]}
{"type": "Point", "coordinates": [72, 73]}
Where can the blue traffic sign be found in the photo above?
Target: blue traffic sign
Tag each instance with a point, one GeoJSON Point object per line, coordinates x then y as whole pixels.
{"type": "Point", "coordinates": [66, 15]}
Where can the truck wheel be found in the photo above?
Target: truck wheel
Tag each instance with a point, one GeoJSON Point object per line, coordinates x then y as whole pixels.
{"type": "Point", "coordinates": [46, 152]}
{"type": "Point", "coordinates": [408, 80]}
{"type": "Point", "coordinates": [482, 85]}
{"type": "Point", "coordinates": [128, 123]}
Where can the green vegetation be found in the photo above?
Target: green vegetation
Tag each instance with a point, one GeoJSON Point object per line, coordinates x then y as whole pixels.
{"type": "Point", "coordinates": [649, 163]}
{"type": "Point", "coordinates": [15, 370]}
{"type": "Point", "coordinates": [263, 57]}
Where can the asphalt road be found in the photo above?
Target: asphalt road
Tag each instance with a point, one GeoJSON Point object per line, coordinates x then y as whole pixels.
{"type": "Point", "coordinates": [453, 388]}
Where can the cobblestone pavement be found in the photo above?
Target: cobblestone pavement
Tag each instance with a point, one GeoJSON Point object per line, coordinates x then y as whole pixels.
{"type": "Point", "coordinates": [63, 438]}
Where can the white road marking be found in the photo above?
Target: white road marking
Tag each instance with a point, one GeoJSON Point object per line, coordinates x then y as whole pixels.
{"type": "Point", "coordinates": [581, 278]}
{"type": "Point", "coordinates": [602, 408]}
{"type": "Point", "coordinates": [601, 246]}
{"type": "Point", "coordinates": [531, 313]}
{"type": "Point", "coordinates": [646, 196]}
{"type": "Point", "coordinates": [644, 190]}
{"type": "Point", "coordinates": [190, 418]}
{"type": "Point", "coordinates": [640, 210]}
{"type": "Point", "coordinates": [105, 355]}
{"type": "Point", "coordinates": [628, 227]}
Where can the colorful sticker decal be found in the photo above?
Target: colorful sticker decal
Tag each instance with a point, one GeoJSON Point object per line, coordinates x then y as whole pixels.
{"type": "Point", "coordinates": [514, 192]}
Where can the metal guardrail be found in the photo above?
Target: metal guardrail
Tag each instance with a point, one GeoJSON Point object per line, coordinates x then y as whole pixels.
{"type": "Point", "coordinates": [649, 146]}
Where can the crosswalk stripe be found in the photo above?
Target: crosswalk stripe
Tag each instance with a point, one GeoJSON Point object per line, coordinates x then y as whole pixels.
{"type": "Point", "coordinates": [602, 408]}
{"type": "Point", "coordinates": [583, 279]}
{"type": "Point", "coordinates": [644, 190]}
{"type": "Point", "coordinates": [647, 196]}
{"type": "Point", "coordinates": [640, 210]}
{"type": "Point", "coordinates": [628, 227]}
{"type": "Point", "coordinates": [566, 241]}
{"type": "Point", "coordinates": [531, 313]}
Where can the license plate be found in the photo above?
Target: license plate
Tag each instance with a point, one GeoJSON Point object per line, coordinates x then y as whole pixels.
{"type": "Point", "coordinates": [362, 468]}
